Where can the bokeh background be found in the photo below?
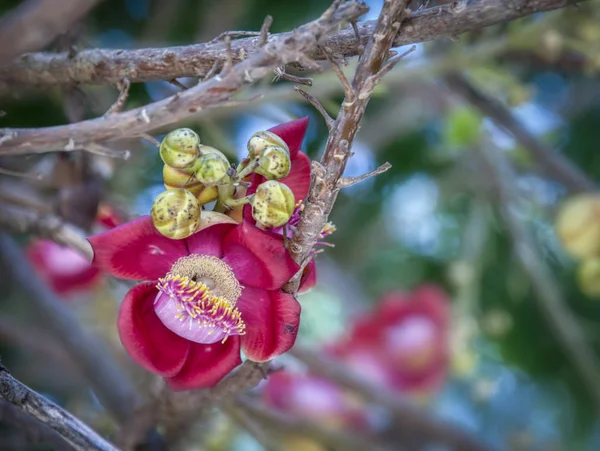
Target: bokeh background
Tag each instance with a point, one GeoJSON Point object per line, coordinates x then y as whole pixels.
{"type": "Point", "coordinates": [432, 218]}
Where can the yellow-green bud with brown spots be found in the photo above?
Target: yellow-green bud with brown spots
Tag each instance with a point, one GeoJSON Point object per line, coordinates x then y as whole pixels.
{"type": "Point", "coordinates": [274, 163]}
{"type": "Point", "coordinates": [176, 213]}
{"type": "Point", "coordinates": [273, 204]}
{"type": "Point", "coordinates": [260, 140]}
{"type": "Point", "coordinates": [212, 168]}
{"type": "Point", "coordinates": [180, 148]}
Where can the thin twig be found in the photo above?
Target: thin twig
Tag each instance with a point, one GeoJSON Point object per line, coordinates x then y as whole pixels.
{"type": "Point", "coordinates": [359, 47]}
{"type": "Point", "coordinates": [556, 165]}
{"type": "Point", "coordinates": [281, 73]}
{"type": "Point", "coordinates": [389, 65]}
{"type": "Point", "coordinates": [346, 182]}
{"type": "Point", "coordinates": [111, 385]}
{"type": "Point", "coordinates": [228, 57]}
{"type": "Point", "coordinates": [73, 431]}
{"type": "Point", "coordinates": [123, 87]}
{"type": "Point", "coordinates": [142, 65]}
{"type": "Point", "coordinates": [329, 121]}
{"type": "Point", "coordinates": [234, 34]}
{"type": "Point", "coordinates": [264, 31]}
{"type": "Point", "coordinates": [177, 83]}
{"type": "Point", "coordinates": [348, 90]}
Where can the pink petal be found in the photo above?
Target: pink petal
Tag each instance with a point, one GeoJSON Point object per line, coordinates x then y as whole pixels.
{"type": "Point", "coordinates": [258, 258]}
{"type": "Point", "coordinates": [272, 319]}
{"type": "Point", "coordinates": [208, 241]}
{"type": "Point", "coordinates": [298, 180]}
{"type": "Point", "coordinates": [292, 133]}
{"type": "Point", "coordinates": [63, 268]}
{"type": "Point", "coordinates": [136, 250]}
{"type": "Point", "coordinates": [206, 365]}
{"type": "Point", "coordinates": [148, 342]}
{"type": "Point", "coordinates": [309, 277]}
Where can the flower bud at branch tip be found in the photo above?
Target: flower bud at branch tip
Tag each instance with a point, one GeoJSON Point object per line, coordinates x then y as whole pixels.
{"type": "Point", "coordinates": [176, 213]}
{"type": "Point", "coordinates": [273, 204]}
{"type": "Point", "coordinates": [260, 140]}
{"type": "Point", "coordinates": [180, 148]}
{"type": "Point", "coordinates": [274, 163]}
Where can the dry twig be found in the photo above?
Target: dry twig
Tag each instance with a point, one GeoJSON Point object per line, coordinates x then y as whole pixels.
{"type": "Point", "coordinates": [329, 121]}
{"type": "Point", "coordinates": [123, 87]}
{"type": "Point", "coordinates": [346, 182]}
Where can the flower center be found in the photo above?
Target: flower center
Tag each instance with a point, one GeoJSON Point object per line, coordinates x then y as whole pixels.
{"type": "Point", "coordinates": [196, 300]}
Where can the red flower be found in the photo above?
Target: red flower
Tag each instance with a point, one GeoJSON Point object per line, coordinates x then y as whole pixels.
{"type": "Point", "coordinates": [403, 343]}
{"type": "Point", "coordinates": [64, 269]}
{"type": "Point", "coordinates": [309, 397]}
{"type": "Point", "coordinates": [209, 295]}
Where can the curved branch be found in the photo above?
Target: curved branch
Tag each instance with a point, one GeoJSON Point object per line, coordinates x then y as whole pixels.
{"type": "Point", "coordinates": [73, 431]}
{"type": "Point", "coordinates": [100, 66]}
{"type": "Point", "coordinates": [287, 48]}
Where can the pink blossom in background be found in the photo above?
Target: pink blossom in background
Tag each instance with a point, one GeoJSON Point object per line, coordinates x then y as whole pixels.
{"type": "Point", "coordinates": [403, 342]}
{"type": "Point", "coordinates": [310, 397]}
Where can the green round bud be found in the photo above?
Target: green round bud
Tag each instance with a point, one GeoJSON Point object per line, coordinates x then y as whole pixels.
{"type": "Point", "coordinates": [180, 148]}
{"type": "Point", "coordinates": [260, 140]}
{"type": "Point", "coordinates": [176, 213]}
{"type": "Point", "coordinates": [274, 163]}
{"type": "Point", "coordinates": [273, 204]}
{"type": "Point", "coordinates": [212, 169]}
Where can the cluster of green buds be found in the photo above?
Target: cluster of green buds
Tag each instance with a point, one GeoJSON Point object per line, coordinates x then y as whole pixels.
{"type": "Point", "coordinates": [195, 175]}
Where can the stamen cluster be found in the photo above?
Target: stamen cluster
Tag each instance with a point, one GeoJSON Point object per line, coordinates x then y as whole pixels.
{"type": "Point", "coordinates": [197, 305]}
